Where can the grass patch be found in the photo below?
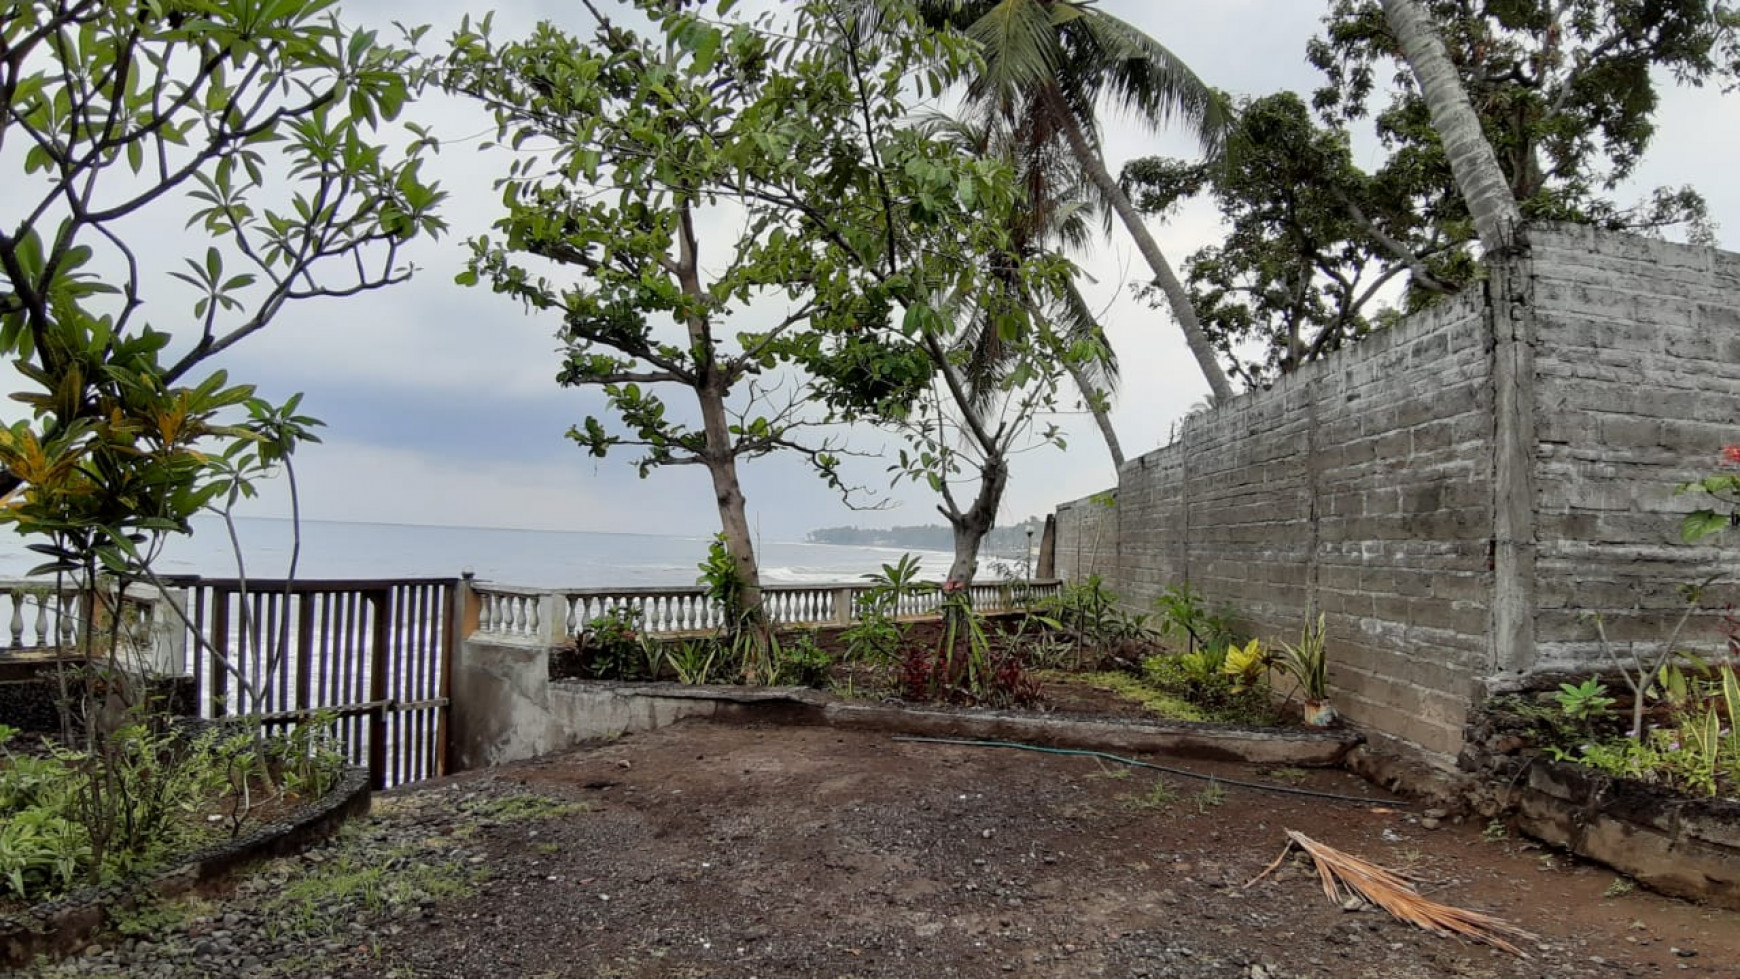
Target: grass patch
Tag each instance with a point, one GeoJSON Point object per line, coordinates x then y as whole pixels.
{"type": "Point", "coordinates": [1159, 797]}
{"type": "Point", "coordinates": [1286, 775]}
{"type": "Point", "coordinates": [1131, 689]}
{"type": "Point", "coordinates": [1211, 797]}
{"type": "Point", "coordinates": [153, 918]}
{"type": "Point", "coordinates": [327, 900]}
{"type": "Point", "coordinates": [526, 808]}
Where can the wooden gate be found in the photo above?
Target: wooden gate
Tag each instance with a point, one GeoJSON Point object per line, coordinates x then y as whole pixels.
{"type": "Point", "coordinates": [375, 655]}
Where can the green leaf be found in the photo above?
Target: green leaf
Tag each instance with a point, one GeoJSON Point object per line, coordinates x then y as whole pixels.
{"type": "Point", "coordinates": [1702, 523]}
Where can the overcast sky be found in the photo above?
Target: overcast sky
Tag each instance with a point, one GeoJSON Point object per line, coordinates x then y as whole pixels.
{"type": "Point", "coordinates": [442, 403]}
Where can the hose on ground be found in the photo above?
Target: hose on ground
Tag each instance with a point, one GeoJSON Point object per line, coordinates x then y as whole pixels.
{"type": "Point", "coordinates": [1134, 763]}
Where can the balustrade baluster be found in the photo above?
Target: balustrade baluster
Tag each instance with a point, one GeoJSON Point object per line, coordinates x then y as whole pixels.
{"type": "Point", "coordinates": [43, 617]}
{"type": "Point", "coordinates": [69, 618]}
{"type": "Point", "coordinates": [16, 624]}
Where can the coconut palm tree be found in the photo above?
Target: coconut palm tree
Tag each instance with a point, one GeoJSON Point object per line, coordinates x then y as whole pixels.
{"type": "Point", "coordinates": [1047, 65]}
{"type": "Point", "coordinates": [1472, 160]}
{"type": "Point", "coordinates": [1054, 211]}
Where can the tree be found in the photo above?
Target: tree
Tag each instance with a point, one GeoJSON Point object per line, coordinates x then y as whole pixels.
{"type": "Point", "coordinates": [782, 138]}
{"type": "Point", "coordinates": [1469, 155]}
{"type": "Point", "coordinates": [255, 126]}
{"type": "Point", "coordinates": [1046, 66]}
{"type": "Point", "coordinates": [1562, 90]}
{"type": "Point", "coordinates": [1312, 240]}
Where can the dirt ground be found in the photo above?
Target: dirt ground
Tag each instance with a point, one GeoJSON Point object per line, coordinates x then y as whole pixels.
{"type": "Point", "coordinates": [706, 850]}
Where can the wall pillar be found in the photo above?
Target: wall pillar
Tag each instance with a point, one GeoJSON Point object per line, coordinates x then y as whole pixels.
{"type": "Point", "coordinates": [1510, 312]}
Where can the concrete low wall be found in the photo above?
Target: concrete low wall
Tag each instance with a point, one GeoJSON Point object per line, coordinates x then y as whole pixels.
{"type": "Point", "coordinates": [508, 709]}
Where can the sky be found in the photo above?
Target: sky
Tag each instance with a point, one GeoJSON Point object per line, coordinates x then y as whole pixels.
{"type": "Point", "coordinates": [441, 403]}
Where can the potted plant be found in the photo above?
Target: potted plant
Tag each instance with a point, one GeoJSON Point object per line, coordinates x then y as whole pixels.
{"type": "Point", "coordinates": [1307, 664]}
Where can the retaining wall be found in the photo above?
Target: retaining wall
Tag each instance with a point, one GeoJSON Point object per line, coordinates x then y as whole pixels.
{"type": "Point", "coordinates": [1454, 494]}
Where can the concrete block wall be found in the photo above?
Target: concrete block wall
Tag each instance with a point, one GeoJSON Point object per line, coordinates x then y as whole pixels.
{"type": "Point", "coordinates": [1374, 486]}
{"type": "Point", "coordinates": [1637, 389]}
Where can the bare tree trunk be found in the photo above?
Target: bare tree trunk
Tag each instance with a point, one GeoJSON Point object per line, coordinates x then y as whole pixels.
{"type": "Point", "coordinates": [1096, 402]}
{"type": "Point", "coordinates": [1472, 160]}
{"type": "Point", "coordinates": [971, 527]}
{"type": "Point", "coordinates": [1176, 295]}
{"type": "Point", "coordinates": [718, 453]}
{"type": "Point", "coordinates": [728, 493]}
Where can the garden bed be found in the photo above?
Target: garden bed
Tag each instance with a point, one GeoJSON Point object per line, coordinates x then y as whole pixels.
{"type": "Point", "coordinates": [55, 927]}
{"type": "Point", "coordinates": [1673, 843]}
{"type": "Point", "coordinates": [609, 708]}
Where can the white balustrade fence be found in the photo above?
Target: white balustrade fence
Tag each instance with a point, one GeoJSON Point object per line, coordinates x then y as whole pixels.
{"type": "Point", "coordinates": [512, 613]}
{"type": "Point", "coordinates": [41, 618]}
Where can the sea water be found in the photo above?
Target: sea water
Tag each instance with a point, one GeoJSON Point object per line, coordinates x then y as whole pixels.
{"type": "Point", "coordinates": [533, 558]}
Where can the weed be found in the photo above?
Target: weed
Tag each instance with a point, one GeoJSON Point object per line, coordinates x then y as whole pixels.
{"type": "Point", "coordinates": [1109, 771]}
{"type": "Point", "coordinates": [1210, 797]}
{"type": "Point", "coordinates": [1287, 775]}
{"type": "Point", "coordinates": [1150, 698]}
{"type": "Point", "coordinates": [1620, 887]}
{"type": "Point", "coordinates": [548, 848]}
{"type": "Point", "coordinates": [156, 917]}
{"type": "Point", "coordinates": [1159, 797]}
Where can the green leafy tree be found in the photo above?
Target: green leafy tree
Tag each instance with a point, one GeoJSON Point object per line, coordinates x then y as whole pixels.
{"type": "Point", "coordinates": [1312, 240]}
{"type": "Point", "coordinates": [256, 124]}
{"type": "Point", "coordinates": [253, 123]}
{"type": "Point", "coordinates": [1557, 99]}
{"type": "Point", "coordinates": [1547, 106]}
{"type": "Point", "coordinates": [675, 182]}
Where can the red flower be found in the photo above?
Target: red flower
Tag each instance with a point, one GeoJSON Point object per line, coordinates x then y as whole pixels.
{"type": "Point", "coordinates": [1731, 454]}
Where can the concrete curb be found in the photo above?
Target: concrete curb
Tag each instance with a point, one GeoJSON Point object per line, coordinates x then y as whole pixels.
{"type": "Point", "coordinates": [802, 706]}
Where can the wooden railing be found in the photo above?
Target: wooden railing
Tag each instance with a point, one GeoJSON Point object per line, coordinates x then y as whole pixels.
{"type": "Point", "coordinates": [507, 612]}
{"type": "Point", "coordinates": [376, 655]}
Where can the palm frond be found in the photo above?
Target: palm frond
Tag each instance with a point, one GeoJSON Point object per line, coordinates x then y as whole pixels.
{"type": "Point", "coordinates": [1077, 324]}
{"type": "Point", "coordinates": [1020, 48]}
{"type": "Point", "coordinates": [1344, 873]}
{"type": "Point", "coordinates": [1142, 76]}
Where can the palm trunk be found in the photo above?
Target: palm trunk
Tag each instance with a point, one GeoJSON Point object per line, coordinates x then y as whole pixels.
{"type": "Point", "coordinates": [1472, 160]}
{"type": "Point", "coordinates": [1164, 277]}
{"type": "Point", "coordinates": [1096, 402]}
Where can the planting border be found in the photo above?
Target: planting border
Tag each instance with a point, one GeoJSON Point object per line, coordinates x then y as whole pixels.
{"type": "Point", "coordinates": [54, 928]}
{"type": "Point", "coordinates": [1674, 844]}
{"type": "Point", "coordinates": [606, 708]}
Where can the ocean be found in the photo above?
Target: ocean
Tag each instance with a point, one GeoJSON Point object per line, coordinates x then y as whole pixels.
{"type": "Point", "coordinates": [534, 558]}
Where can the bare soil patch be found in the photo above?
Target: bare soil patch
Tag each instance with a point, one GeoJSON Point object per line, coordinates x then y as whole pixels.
{"type": "Point", "coordinates": [742, 851]}
{"type": "Point", "coordinates": [714, 850]}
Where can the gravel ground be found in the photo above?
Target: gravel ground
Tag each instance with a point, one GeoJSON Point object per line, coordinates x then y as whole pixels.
{"type": "Point", "coordinates": [705, 850]}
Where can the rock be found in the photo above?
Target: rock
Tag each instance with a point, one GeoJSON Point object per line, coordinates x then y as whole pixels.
{"type": "Point", "coordinates": [1430, 823]}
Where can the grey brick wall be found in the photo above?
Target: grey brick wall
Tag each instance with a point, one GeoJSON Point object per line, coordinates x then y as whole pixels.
{"type": "Point", "coordinates": [1637, 388]}
{"type": "Point", "coordinates": [1370, 486]}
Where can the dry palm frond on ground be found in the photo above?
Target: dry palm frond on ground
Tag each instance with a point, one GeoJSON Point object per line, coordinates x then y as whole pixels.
{"type": "Point", "coordinates": [1391, 891]}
